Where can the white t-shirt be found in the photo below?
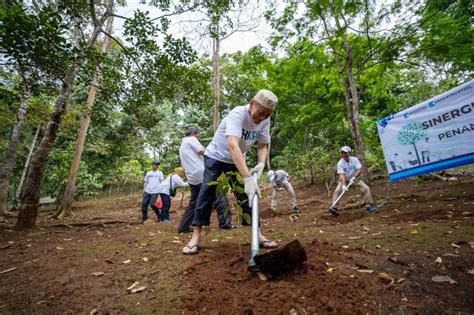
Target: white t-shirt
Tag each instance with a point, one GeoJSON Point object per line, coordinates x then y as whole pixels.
{"type": "Point", "coordinates": [191, 161]}
{"type": "Point", "coordinates": [279, 177]}
{"type": "Point", "coordinates": [176, 181]}
{"type": "Point", "coordinates": [152, 181]}
{"type": "Point", "coordinates": [237, 123]}
{"type": "Point", "coordinates": [348, 169]}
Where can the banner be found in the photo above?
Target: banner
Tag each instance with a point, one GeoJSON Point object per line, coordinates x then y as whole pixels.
{"type": "Point", "coordinates": [431, 136]}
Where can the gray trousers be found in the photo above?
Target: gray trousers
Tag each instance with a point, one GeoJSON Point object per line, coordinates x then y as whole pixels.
{"type": "Point", "coordinates": [289, 189]}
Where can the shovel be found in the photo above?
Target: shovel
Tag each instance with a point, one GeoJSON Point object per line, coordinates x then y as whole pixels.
{"type": "Point", "coordinates": [292, 255]}
{"type": "Point", "coordinates": [342, 194]}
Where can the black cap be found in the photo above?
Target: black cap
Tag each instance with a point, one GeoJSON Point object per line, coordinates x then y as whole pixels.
{"type": "Point", "coordinates": [155, 163]}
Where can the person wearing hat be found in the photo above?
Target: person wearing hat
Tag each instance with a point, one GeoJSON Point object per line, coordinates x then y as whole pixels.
{"type": "Point", "coordinates": [349, 169]}
{"type": "Point", "coordinates": [280, 181]}
{"type": "Point", "coordinates": [191, 154]}
{"type": "Point", "coordinates": [237, 132]}
{"type": "Point", "coordinates": [152, 180]}
{"type": "Point", "coordinates": [168, 189]}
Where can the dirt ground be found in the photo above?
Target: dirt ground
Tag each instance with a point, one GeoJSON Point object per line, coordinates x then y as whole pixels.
{"type": "Point", "coordinates": [386, 263]}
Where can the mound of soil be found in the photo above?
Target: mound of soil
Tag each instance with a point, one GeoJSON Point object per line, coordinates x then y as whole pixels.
{"type": "Point", "coordinates": [328, 282]}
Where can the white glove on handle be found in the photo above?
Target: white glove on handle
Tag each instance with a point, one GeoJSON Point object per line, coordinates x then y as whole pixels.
{"type": "Point", "coordinates": [258, 169]}
{"type": "Point", "coordinates": [344, 187]}
{"type": "Point", "coordinates": [352, 181]}
{"type": "Point", "coordinates": [251, 188]}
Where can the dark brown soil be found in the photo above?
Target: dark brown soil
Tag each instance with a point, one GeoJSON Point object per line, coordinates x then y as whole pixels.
{"type": "Point", "coordinates": [424, 230]}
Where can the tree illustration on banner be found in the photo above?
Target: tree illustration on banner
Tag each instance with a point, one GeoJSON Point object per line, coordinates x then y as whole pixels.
{"type": "Point", "coordinates": [412, 133]}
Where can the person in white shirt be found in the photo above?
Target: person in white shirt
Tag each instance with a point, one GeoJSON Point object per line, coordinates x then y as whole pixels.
{"type": "Point", "coordinates": [237, 132]}
{"type": "Point", "coordinates": [349, 168]}
{"type": "Point", "coordinates": [168, 189]}
{"type": "Point", "coordinates": [152, 180]}
{"type": "Point", "coordinates": [280, 181]}
{"type": "Point", "coordinates": [191, 154]}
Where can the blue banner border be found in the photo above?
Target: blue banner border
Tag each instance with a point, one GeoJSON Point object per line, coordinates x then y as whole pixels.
{"type": "Point", "coordinates": [433, 167]}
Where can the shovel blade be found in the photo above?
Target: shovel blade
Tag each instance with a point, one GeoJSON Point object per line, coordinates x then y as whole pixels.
{"type": "Point", "coordinates": [291, 256]}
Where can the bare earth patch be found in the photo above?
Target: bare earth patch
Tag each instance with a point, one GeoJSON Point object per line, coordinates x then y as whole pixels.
{"type": "Point", "coordinates": [357, 263]}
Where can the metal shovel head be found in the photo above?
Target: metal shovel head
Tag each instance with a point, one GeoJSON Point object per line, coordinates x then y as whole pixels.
{"type": "Point", "coordinates": [276, 261]}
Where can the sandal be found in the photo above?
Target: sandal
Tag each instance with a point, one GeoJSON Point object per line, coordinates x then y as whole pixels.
{"type": "Point", "coordinates": [268, 244]}
{"type": "Point", "coordinates": [191, 248]}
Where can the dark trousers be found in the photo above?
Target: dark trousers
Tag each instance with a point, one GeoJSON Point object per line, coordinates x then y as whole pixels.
{"type": "Point", "coordinates": [165, 209]}
{"type": "Point", "coordinates": [425, 156]}
{"type": "Point", "coordinates": [149, 200]}
{"type": "Point", "coordinates": [221, 204]}
{"type": "Point", "coordinates": [207, 194]}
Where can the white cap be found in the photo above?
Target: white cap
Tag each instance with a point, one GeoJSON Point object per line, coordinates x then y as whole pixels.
{"type": "Point", "coordinates": [270, 175]}
{"type": "Point", "coordinates": [266, 98]}
{"type": "Point", "coordinates": [346, 149]}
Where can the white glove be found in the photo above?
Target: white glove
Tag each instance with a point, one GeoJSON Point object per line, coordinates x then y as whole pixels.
{"type": "Point", "coordinates": [344, 187]}
{"type": "Point", "coordinates": [251, 188]}
{"type": "Point", "coordinates": [352, 181]}
{"type": "Point", "coordinates": [258, 169]}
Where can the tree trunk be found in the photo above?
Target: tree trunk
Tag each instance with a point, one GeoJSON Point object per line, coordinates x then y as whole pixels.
{"type": "Point", "coordinates": [64, 208]}
{"type": "Point", "coordinates": [31, 192]}
{"type": "Point", "coordinates": [417, 155]}
{"type": "Point", "coordinates": [10, 154]}
{"type": "Point", "coordinates": [357, 133]}
{"type": "Point", "coordinates": [353, 111]}
{"type": "Point", "coordinates": [25, 169]}
{"type": "Point", "coordinates": [216, 74]}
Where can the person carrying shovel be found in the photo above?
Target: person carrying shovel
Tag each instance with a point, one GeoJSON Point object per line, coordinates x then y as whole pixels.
{"type": "Point", "coordinates": [349, 168]}
{"type": "Point", "coordinates": [237, 132]}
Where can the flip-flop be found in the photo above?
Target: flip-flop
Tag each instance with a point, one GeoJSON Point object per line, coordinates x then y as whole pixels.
{"type": "Point", "coordinates": [265, 244]}
{"type": "Point", "coordinates": [192, 252]}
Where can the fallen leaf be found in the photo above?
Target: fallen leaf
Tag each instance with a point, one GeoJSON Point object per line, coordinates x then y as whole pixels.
{"type": "Point", "coordinates": [7, 270]}
{"type": "Point", "coordinates": [98, 274]}
{"type": "Point", "coordinates": [132, 286]}
{"type": "Point", "coordinates": [376, 234]}
{"type": "Point", "coordinates": [28, 245]}
{"type": "Point", "coordinates": [471, 244]}
{"type": "Point", "coordinates": [330, 270]}
{"type": "Point", "coordinates": [455, 245]}
{"type": "Point", "coordinates": [262, 276]}
{"type": "Point", "coordinates": [471, 271]}
{"type": "Point", "coordinates": [440, 279]}
{"type": "Point", "coordinates": [384, 276]}
{"type": "Point", "coordinates": [67, 239]}
{"type": "Point", "coordinates": [176, 238]}
{"type": "Point", "coordinates": [404, 299]}
{"type": "Point", "coordinates": [127, 261]}
{"type": "Point", "coordinates": [214, 240]}
{"type": "Point", "coordinates": [345, 246]}
{"type": "Point", "coordinates": [365, 270]}
{"type": "Point", "coordinates": [93, 312]}
{"type": "Point", "coordinates": [366, 228]}
{"type": "Point", "coordinates": [177, 242]}
{"type": "Point", "coordinates": [354, 237]}
{"type": "Point", "coordinates": [139, 289]}
{"type": "Point", "coordinates": [145, 258]}
{"type": "Point", "coordinates": [377, 246]}
{"type": "Point", "coordinates": [100, 233]}
{"type": "Point", "coordinates": [438, 260]}
{"type": "Point", "coordinates": [401, 280]}
{"type": "Point", "coordinates": [59, 248]}
{"type": "Point", "coordinates": [413, 232]}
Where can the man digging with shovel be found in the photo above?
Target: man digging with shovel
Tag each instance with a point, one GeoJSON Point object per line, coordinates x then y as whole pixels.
{"type": "Point", "coordinates": [237, 132]}
{"type": "Point", "coordinates": [349, 168]}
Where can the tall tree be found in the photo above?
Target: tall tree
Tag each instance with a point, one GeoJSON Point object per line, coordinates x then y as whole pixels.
{"type": "Point", "coordinates": [31, 192]}
{"type": "Point", "coordinates": [64, 208]}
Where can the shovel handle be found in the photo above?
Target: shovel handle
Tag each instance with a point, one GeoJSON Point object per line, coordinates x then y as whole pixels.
{"type": "Point", "coordinates": [254, 249]}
